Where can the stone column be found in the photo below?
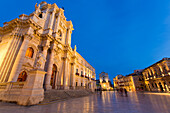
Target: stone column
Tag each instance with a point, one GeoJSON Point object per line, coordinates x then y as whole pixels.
{"type": "Point", "coordinates": [19, 60]}
{"type": "Point", "coordinates": [49, 71]}
{"type": "Point", "coordinates": [73, 76]}
{"type": "Point", "coordinates": [65, 74]}
{"type": "Point", "coordinates": [44, 52]}
{"type": "Point", "coordinates": [56, 79]}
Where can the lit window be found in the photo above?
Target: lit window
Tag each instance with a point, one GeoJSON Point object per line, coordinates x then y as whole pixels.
{"type": "Point", "coordinates": [22, 77]}
{"type": "Point", "coordinates": [29, 52]}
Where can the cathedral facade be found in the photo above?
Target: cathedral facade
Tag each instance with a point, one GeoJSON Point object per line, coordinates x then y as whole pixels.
{"type": "Point", "coordinates": [104, 81]}
{"type": "Point", "coordinates": [36, 54]}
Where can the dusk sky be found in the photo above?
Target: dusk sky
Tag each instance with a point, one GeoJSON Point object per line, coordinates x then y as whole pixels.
{"type": "Point", "coordinates": [115, 36]}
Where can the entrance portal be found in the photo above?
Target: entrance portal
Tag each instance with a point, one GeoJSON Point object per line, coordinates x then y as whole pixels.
{"type": "Point", "coordinates": [53, 76]}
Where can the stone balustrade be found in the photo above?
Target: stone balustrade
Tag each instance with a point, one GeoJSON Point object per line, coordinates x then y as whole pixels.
{"type": "Point", "coordinates": [3, 86]}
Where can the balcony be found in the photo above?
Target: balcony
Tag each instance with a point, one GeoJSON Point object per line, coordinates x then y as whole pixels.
{"type": "Point", "coordinates": [93, 79]}
{"type": "Point", "coordinates": [77, 74]}
{"type": "Point", "coordinates": [82, 75]}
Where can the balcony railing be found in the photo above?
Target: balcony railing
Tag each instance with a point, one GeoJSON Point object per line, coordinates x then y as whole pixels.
{"type": "Point", "coordinates": [82, 75]}
{"type": "Point", "coordinates": [93, 79]}
{"type": "Point", "coordinates": [77, 74]}
{"type": "Point", "coordinates": [86, 77]}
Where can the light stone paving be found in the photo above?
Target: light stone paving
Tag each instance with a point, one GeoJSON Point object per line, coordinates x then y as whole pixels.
{"type": "Point", "coordinates": [108, 102]}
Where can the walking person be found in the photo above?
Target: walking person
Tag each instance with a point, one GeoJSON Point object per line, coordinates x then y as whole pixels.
{"type": "Point", "coordinates": [125, 92]}
{"type": "Point", "coordinates": [100, 90]}
{"type": "Point", "coordinates": [121, 91]}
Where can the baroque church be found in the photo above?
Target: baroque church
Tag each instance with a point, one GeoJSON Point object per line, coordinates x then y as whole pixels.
{"type": "Point", "coordinates": [36, 55]}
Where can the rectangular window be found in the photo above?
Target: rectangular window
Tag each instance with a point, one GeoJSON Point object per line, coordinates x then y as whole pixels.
{"type": "Point", "coordinates": [76, 70]}
{"type": "Point", "coordinates": [76, 83]}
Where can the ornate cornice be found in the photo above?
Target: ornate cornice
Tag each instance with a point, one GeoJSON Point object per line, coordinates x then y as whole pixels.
{"type": "Point", "coordinates": [9, 26]}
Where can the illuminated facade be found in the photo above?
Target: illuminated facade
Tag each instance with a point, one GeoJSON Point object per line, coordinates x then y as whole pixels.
{"type": "Point", "coordinates": [115, 81]}
{"type": "Point", "coordinates": [157, 76]}
{"type": "Point", "coordinates": [131, 82]}
{"type": "Point", "coordinates": [36, 54]}
{"type": "Point", "coordinates": [104, 81]}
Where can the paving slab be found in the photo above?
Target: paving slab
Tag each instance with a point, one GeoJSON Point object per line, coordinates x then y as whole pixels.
{"type": "Point", "coordinates": [107, 102]}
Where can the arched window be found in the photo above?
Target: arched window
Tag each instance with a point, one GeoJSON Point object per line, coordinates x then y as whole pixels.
{"type": "Point", "coordinates": [164, 68]}
{"type": "Point", "coordinates": [22, 77]}
{"type": "Point", "coordinates": [29, 52]}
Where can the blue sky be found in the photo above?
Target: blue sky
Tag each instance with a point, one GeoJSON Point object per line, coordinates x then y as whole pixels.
{"type": "Point", "coordinates": [115, 36]}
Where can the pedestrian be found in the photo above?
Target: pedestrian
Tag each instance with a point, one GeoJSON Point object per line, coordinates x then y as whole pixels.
{"type": "Point", "coordinates": [121, 91]}
{"type": "Point", "coordinates": [125, 92]}
{"type": "Point", "coordinates": [100, 91]}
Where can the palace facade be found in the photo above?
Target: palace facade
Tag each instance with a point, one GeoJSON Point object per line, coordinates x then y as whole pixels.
{"type": "Point", "coordinates": [157, 76]}
{"type": "Point", "coordinates": [131, 82]}
{"type": "Point", "coordinates": [36, 54]}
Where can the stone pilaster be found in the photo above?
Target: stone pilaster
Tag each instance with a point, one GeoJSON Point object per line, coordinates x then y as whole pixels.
{"type": "Point", "coordinates": [19, 60]}
{"type": "Point", "coordinates": [51, 20]}
{"type": "Point", "coordinates": [57, 25]}
{"type": "Point", "coordinates": [10, 57]}
{"type": "Point", "coordinates": [68, 37]}
{"type": "Point", "coordinates": [58, 21]}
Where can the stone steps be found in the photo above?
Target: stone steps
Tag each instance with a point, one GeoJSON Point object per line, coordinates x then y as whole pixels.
{"type": "Point", "coordinates": [53, 95]}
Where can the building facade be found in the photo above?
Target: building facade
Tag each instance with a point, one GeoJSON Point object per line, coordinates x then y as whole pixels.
{"type": "Point", "coordinates": [115, 81]}
{"type": "Point", "coordinates": [157, 76]}
{"type": "Point", "coordinates": [104, 81]}
{"type": "Point", "coordinates": [36, 54]}
{"type": "Point", "coordinates": [131, 82]}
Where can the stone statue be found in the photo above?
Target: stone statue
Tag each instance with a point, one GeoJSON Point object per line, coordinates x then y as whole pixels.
{"type": "Point", "coordinates": [37, 8]}
{"type": "Point", "coordinates": [75, 48]}
{"type": "Point", "coordinates": [40, 61]}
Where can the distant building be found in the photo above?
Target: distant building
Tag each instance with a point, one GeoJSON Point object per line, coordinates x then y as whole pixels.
{"type": "Point", "coordinates": [104, 81]}
{"type": "Point", "coordinates": [157, 76]}
{"type": "Point", "coordinates": [115, 81]}
{"type": "Point", "coordinates": [131, 82]}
